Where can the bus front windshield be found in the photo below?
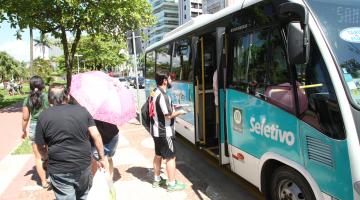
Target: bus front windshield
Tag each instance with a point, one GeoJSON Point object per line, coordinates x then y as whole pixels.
{"type": "Point", "coordinates": [340, 21]}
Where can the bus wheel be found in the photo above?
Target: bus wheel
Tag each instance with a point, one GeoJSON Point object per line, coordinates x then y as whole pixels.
{"type": "Point", "coordinates": [288, 184]}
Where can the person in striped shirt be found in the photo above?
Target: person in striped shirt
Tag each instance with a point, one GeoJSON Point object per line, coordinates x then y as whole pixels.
{"type": "Point", "coordinates": [163, 132]}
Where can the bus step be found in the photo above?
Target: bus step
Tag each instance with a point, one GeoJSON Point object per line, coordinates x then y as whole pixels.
{"type": "Point", "coordinates": [213, 151]}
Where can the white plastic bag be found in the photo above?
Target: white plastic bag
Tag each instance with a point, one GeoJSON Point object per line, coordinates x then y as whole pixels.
{"type": "Point", "coordinates": [102, 187]}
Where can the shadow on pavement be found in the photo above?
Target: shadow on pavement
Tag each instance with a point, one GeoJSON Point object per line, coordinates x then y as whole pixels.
{"type": "Point", "coordinates": [141, 173]}
{"type": "Point", "coordinates": [17, 107]}
{"type": "Point", "coordinates": [116, 175]}
{"type": "Point", "coordinates": [34, 175]}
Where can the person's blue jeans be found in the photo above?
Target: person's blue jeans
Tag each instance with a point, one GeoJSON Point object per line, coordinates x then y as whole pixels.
{"type": "Point", "coordinates": [73, 185]}
{"type": "Point", "coordinates": [109, 148]}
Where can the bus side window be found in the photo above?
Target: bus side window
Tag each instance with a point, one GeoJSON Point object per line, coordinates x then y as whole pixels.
{"type": "Point", "coordinates": [240, 51]}
{"type": "Point", "coordinates": [322, 110]}
{"type": "Point", "coordinates": [163, 56]}
{"type": "Point", "coordinates": [181, 61]}
{"type": "Point", "coordinates": [279, 90]}
{"type": "Point", "coordinates": [150, 65]}
{"type": "Point", "coordinates": [257, 63]}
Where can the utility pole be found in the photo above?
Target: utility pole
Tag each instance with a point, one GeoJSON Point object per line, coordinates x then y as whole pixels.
{"type": "Point", "coordinates": [136, 74]}
{"type": "Point", "coordinates": [132, 46]}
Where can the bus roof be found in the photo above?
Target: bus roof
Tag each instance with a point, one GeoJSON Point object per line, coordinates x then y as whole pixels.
{"type": "Point", "coordinates": [196, 23]}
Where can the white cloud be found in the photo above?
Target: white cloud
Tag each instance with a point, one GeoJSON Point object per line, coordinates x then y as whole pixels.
{"type": "Point", "coordinates": [20, 50]}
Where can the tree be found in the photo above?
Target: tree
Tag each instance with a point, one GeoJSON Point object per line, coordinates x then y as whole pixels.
{"type": "Point", "coordinates": [10, 68]}
{"type": "Point", "coordinates": [93, 17]}
{"type": "Point", "coordinates": [43, 42]}
{"type": "Point", "coordinates": [100, 51]}
{"type": "Point", "coordinates": [43, 68]}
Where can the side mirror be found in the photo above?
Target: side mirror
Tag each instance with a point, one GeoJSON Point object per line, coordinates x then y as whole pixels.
{"type": "Point", "coordinates": [298, 45]}
{"type": "Point", "coordinates": [297, 19]}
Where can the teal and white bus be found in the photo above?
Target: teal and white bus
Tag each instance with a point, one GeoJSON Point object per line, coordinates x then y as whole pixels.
{"type": "Point", "coordinates": [288, 89]}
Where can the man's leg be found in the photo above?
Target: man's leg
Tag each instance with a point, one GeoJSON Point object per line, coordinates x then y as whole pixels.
{"type": "Point", "coordinates": [157, 165]}
{"type": "Point", "coordinates": [170, 156]}
{"type": "Point", "coordinates": [171, 169]}
{"type": "Point", "coordinates": [111, 166]}
{"type": "Point", "coordinates": [62, 185]}
{"type": "Point", "coordinates": [83, 183]}
{"type": "Point", "coordinates": [110, 150]}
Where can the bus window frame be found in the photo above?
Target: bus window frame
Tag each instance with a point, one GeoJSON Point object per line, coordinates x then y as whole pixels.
{"type": "Point", "coordinates": [174, 51]}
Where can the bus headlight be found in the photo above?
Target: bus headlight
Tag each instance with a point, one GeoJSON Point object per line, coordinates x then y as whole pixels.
{"type": "Point", "coordinates": [357, 187]}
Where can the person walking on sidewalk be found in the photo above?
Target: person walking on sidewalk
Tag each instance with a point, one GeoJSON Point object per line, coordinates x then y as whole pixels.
{"type": "Point", "coordinates": [110, 137]}
{"type": "Point", "coordinates": [163, 132]}
{"type": "Point", "coordinates": [33, 105]}
{"type": "Point", "coordinates": [65, 129]}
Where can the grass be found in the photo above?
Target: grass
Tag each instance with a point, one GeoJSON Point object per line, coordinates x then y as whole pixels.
{"type": "Point", "coordinates": [24, 148]}
{"type": "Point", "coordinates": [6, 100]}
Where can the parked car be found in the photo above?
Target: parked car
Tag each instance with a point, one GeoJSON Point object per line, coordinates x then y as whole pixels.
{"type": "Point", "coordinates": [141, 81]}
{"type": "Point", "coordinates": [124, 82]}
{"type": "Point", "coordinates": [131, 80]}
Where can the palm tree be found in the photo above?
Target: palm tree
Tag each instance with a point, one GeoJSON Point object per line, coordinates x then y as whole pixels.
{"type": "Point", "coordinates": [31, 50]}
{"type": "Point", "coordinates": [43, 42]}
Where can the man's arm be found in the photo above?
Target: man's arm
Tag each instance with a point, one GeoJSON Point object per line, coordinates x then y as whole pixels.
{"type": "Point", "coordinates": [174, 114]}
{"type": "Point", "coordinates": [96, 137]}
{"type": "Point", "coordinates": [42, 150]}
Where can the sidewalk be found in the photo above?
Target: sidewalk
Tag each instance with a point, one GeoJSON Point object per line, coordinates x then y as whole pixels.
{"type": "Point", "coordinates": [132, 175]}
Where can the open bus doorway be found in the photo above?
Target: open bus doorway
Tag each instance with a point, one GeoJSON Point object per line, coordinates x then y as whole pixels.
{"type": "Point", "coordinates": [205, 67]}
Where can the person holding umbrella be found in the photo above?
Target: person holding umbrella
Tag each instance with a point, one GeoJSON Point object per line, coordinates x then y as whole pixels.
{"type": "Point", "coordinates": [66, 130]}
{"type": "Point", "coordinates": [110, 137]}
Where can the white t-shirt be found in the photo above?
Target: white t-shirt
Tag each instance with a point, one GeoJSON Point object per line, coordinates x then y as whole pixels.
{"type": "Point", "coordinates": [215, 88]}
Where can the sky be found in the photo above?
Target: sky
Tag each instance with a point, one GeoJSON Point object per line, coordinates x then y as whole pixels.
{"type": "Point", "coordinates": [18, 49]}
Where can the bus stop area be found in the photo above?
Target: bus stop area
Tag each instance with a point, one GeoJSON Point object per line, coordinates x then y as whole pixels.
{"type": "Point", "coordinates": [133, 168]}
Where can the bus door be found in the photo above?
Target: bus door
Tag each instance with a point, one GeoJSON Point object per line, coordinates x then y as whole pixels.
{"type": "Point", "coordinates": [221, 58]}
{"type": "Point", "coordinates": [204, 95]}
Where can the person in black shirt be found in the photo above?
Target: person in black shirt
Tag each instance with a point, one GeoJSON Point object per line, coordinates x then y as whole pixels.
{"type": "Point", "coordinates": [110, 137]}
{"type": "Point", "coordinates": [65, 129]}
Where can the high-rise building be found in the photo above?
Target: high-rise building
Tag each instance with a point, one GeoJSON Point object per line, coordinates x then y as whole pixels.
{"type": "Point", "coordinates": [167, 19]}
{"type": "Point", "coordinates": [212, 6]}
{"type": "Point", "coordinates": [189, 9]}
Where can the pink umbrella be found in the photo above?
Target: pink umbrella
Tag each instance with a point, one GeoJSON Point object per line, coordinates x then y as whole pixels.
{"type": "Point", "coordinates": [104, 97]}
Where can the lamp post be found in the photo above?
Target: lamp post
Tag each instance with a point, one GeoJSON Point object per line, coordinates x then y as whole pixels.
{"type": "Point", "coordinates": [78, 55]}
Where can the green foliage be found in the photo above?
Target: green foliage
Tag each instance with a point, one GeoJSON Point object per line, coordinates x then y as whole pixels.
{"type": "Point", "coordinates": [44, 69]}
{"type": "Point", "coordinates": [10, 68]}
{"type": "Point", "coordinates": [94, 17]}
{"type": "Point", "coordinates": [100, 51]}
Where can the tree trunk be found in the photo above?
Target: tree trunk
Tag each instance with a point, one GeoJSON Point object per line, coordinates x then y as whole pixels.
{"type": "Point", "coordinates": [69, 55]}
{"type": "Point", "coordinates": [31, 51]}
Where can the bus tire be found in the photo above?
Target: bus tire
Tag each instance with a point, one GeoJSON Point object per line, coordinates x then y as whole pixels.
{"type": "Point", "coordinates": [287, 183]}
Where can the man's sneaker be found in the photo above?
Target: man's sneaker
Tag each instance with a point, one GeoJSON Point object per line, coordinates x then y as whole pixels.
{"type": "Point", "coordinates": [177, 187]}
{"type": "Point", "coordinates": [162, 182]}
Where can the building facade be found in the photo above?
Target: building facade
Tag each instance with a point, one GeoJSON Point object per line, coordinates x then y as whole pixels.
{"type": "Point", "coordinates": [212, 6]}
{"type": "Point", "coordinates": [167, 19]}
{"type": "Point", "coordinates": [189, 9]}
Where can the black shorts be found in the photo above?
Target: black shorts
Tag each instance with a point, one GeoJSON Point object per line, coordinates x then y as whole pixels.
{"type": "Point", "coordinates": [165, 147]}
